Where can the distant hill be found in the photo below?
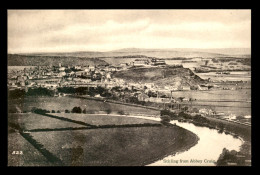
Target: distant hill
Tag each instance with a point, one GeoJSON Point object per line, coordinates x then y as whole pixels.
{"type": "Point", "coordinates": [122, 55]}
{"type": "Point", "coordinates": [225, 51]}
{"type": "Point", "coordinates": [159, 53]}
{"type": "Point", "coordinates": [31, 60]}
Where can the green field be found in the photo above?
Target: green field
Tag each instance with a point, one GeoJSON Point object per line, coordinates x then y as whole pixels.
{"type": "Point", "coordinates": [237, 102]}
{"type": "Point", "coordinates": [115, 146]}
{"type": "Point", "coordinates": [63, 103]}
{"type": "Point", "coordinates": [98, 146]}
{"type": "Point", "coordinates": [104, 119]}
{"type": "Point", "coordinates": [30, 156]}
{"type": "Point", "coordinates": [36, 121]}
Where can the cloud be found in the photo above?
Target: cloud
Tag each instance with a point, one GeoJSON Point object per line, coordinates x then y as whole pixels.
{"type": "Point", "coordinates": [69, 30]}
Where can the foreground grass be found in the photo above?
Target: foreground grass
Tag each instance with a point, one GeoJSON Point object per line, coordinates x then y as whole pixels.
{"type": "Point", "coordinates": [133, 146]}
{"type": "Point", "coordinates": [30, 155]}
{"type": "Point", "coordinates": [36, 121]}
{"type": "Point", "coordinates": [105, 141]}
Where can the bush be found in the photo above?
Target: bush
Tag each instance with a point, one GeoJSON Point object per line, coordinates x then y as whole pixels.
{"type": "Point", "coordinates": [229, 156]}
{"type": "Point", "coordinates": [184, 115]}
{"type": "Point", "coordinates": [108, 111]}
{"type": "Point", "coordinates": [84, 111]}
{"type": "Point", "coordinates": [76, 110]}
{"type": "Point", "coordinates": [165, 119]}
{"type": "Point", "coordinates": [165, 112]}
{"type": "Point", "coordinates": [40, 111]}
{"type": "Point", "coordinates": [67, 111]}
{"type": "Point", "coordinates": [17, 93]}
{"type": "Point", "coordinates": [169, 113]}
{"type": "Point", "coordinates": [52, 111]}
{"type": "Point", "coordinates": [58, 111]}
{"type": "Point", "coordinates": [121, 112]}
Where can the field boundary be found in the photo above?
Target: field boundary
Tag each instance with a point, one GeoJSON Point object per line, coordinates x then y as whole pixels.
{"type": "Point", "coordinates": [97, 127]}
{"type": "Point", "coordinates": [28, 137]}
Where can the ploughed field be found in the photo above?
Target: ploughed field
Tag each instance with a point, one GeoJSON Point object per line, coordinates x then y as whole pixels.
{"type": "Point", "coordinates": [89, 139]}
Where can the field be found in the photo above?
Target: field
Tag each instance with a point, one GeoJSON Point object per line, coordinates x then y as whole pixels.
{"type": "Point", "coordinates": [30, 156]}
{"type": "Point", "coordinates": [104, 119]}
{"type": "Point", "coordinates": [35, 121]}
{"type": "Point", "coordinates": [93, 145]}
{"type": "Point", "coordinates": [233, 76]}
{"type": "Point", "coordinates": [115, 147]}
{"type": "Point", "coordinates": [237, 102]}
{"type": "Point", "coordinates": [63, 103]}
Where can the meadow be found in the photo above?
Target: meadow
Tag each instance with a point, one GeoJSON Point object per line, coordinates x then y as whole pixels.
{"type": "Point", "coordinates": [116, 146]}
{"type": "Point", "coordinates": [94, 145]}
{"type": "Point", "coordinates": [63, 103]}
{"type": "Point", "coordinates": [31, 121]}
{"type": "Point", "coordinates": [105, 119]}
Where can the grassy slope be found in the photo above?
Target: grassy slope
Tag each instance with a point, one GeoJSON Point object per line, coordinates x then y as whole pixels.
{"type": "Point", "coordinates": [30, 156]}
{"type": "Point", "coordinates": [62, 103]}
{"type": "Point", "coordinates": [116, 146]}
{"type": "Point", "coordinates": [36, 121]}
{"type": "Point", "coordinates": [104, 119]}
{"type": "Point", "coordinates": [159, 75]}
{"type": "Point", "coordinates": [113, 146]}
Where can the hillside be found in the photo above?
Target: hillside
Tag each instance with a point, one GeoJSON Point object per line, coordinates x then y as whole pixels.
{"type": "Point", "coordinates": [30, 60]}
{"type": "Point", "coordinates": [160, 76]}
{"type": "Point", "coordinates": [159, 53]}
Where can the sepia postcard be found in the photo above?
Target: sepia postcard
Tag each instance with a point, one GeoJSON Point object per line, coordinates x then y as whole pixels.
{"type": "Point", "coordinates": [129, 87]}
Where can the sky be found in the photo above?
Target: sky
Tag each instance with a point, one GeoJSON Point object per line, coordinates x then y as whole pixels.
{"type": "Point", "coordinates": [106, 30]}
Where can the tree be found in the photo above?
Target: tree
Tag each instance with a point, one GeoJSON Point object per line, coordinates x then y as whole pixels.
{"type": "Point", "coordinates": [17, 93]}
{"type": "Point", "coordinates": [100, 90]}
{"type": "Point", "coordinates": [165, 119]}
{"type": "Point", "coordinates": [52, 111]}
{"type": "Point", "coordinates": [76, 110]}
{"type": "Point", "coordinates": [84, 111]}
{"type": "Point", "coordinates": [151, 94]}
{"type": "Point", "coordinates": [133, 100]}
{"type": "Point", "coordinates": [67, 111]}
{"type": "Point", "coordinates": [58, 111]}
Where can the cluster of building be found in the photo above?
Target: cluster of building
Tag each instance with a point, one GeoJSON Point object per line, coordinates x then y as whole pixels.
{"type": "Point", "coordinates": [52, 77]}
{"type": "Point", "coordinates": [148, 62]}
{"type": "Point", "coordinates": [58, 76]}
{"type": "Point", "coordinates": [213, 65]}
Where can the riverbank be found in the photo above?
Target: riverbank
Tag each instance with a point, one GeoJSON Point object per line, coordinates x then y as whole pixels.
{"type": "Point", "coordinates": [67, 103]}
{"type": "Point", "coordinates": [242, 132]}
{"type": "Point", "coordinates": [207, 150]}
{"type": "Point", "coordinates": [192, 140]}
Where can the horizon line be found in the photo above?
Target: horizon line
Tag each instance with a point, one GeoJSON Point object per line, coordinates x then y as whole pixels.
{"type": "Point", "coordinates": [115, 50]}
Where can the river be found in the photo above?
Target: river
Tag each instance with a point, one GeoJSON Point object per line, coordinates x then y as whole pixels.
{"type": "Point", "coordinates": [205, 152]}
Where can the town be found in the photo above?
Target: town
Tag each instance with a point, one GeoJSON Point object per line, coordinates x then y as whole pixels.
{"type": "Point", "coordinates": [98, 81]}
